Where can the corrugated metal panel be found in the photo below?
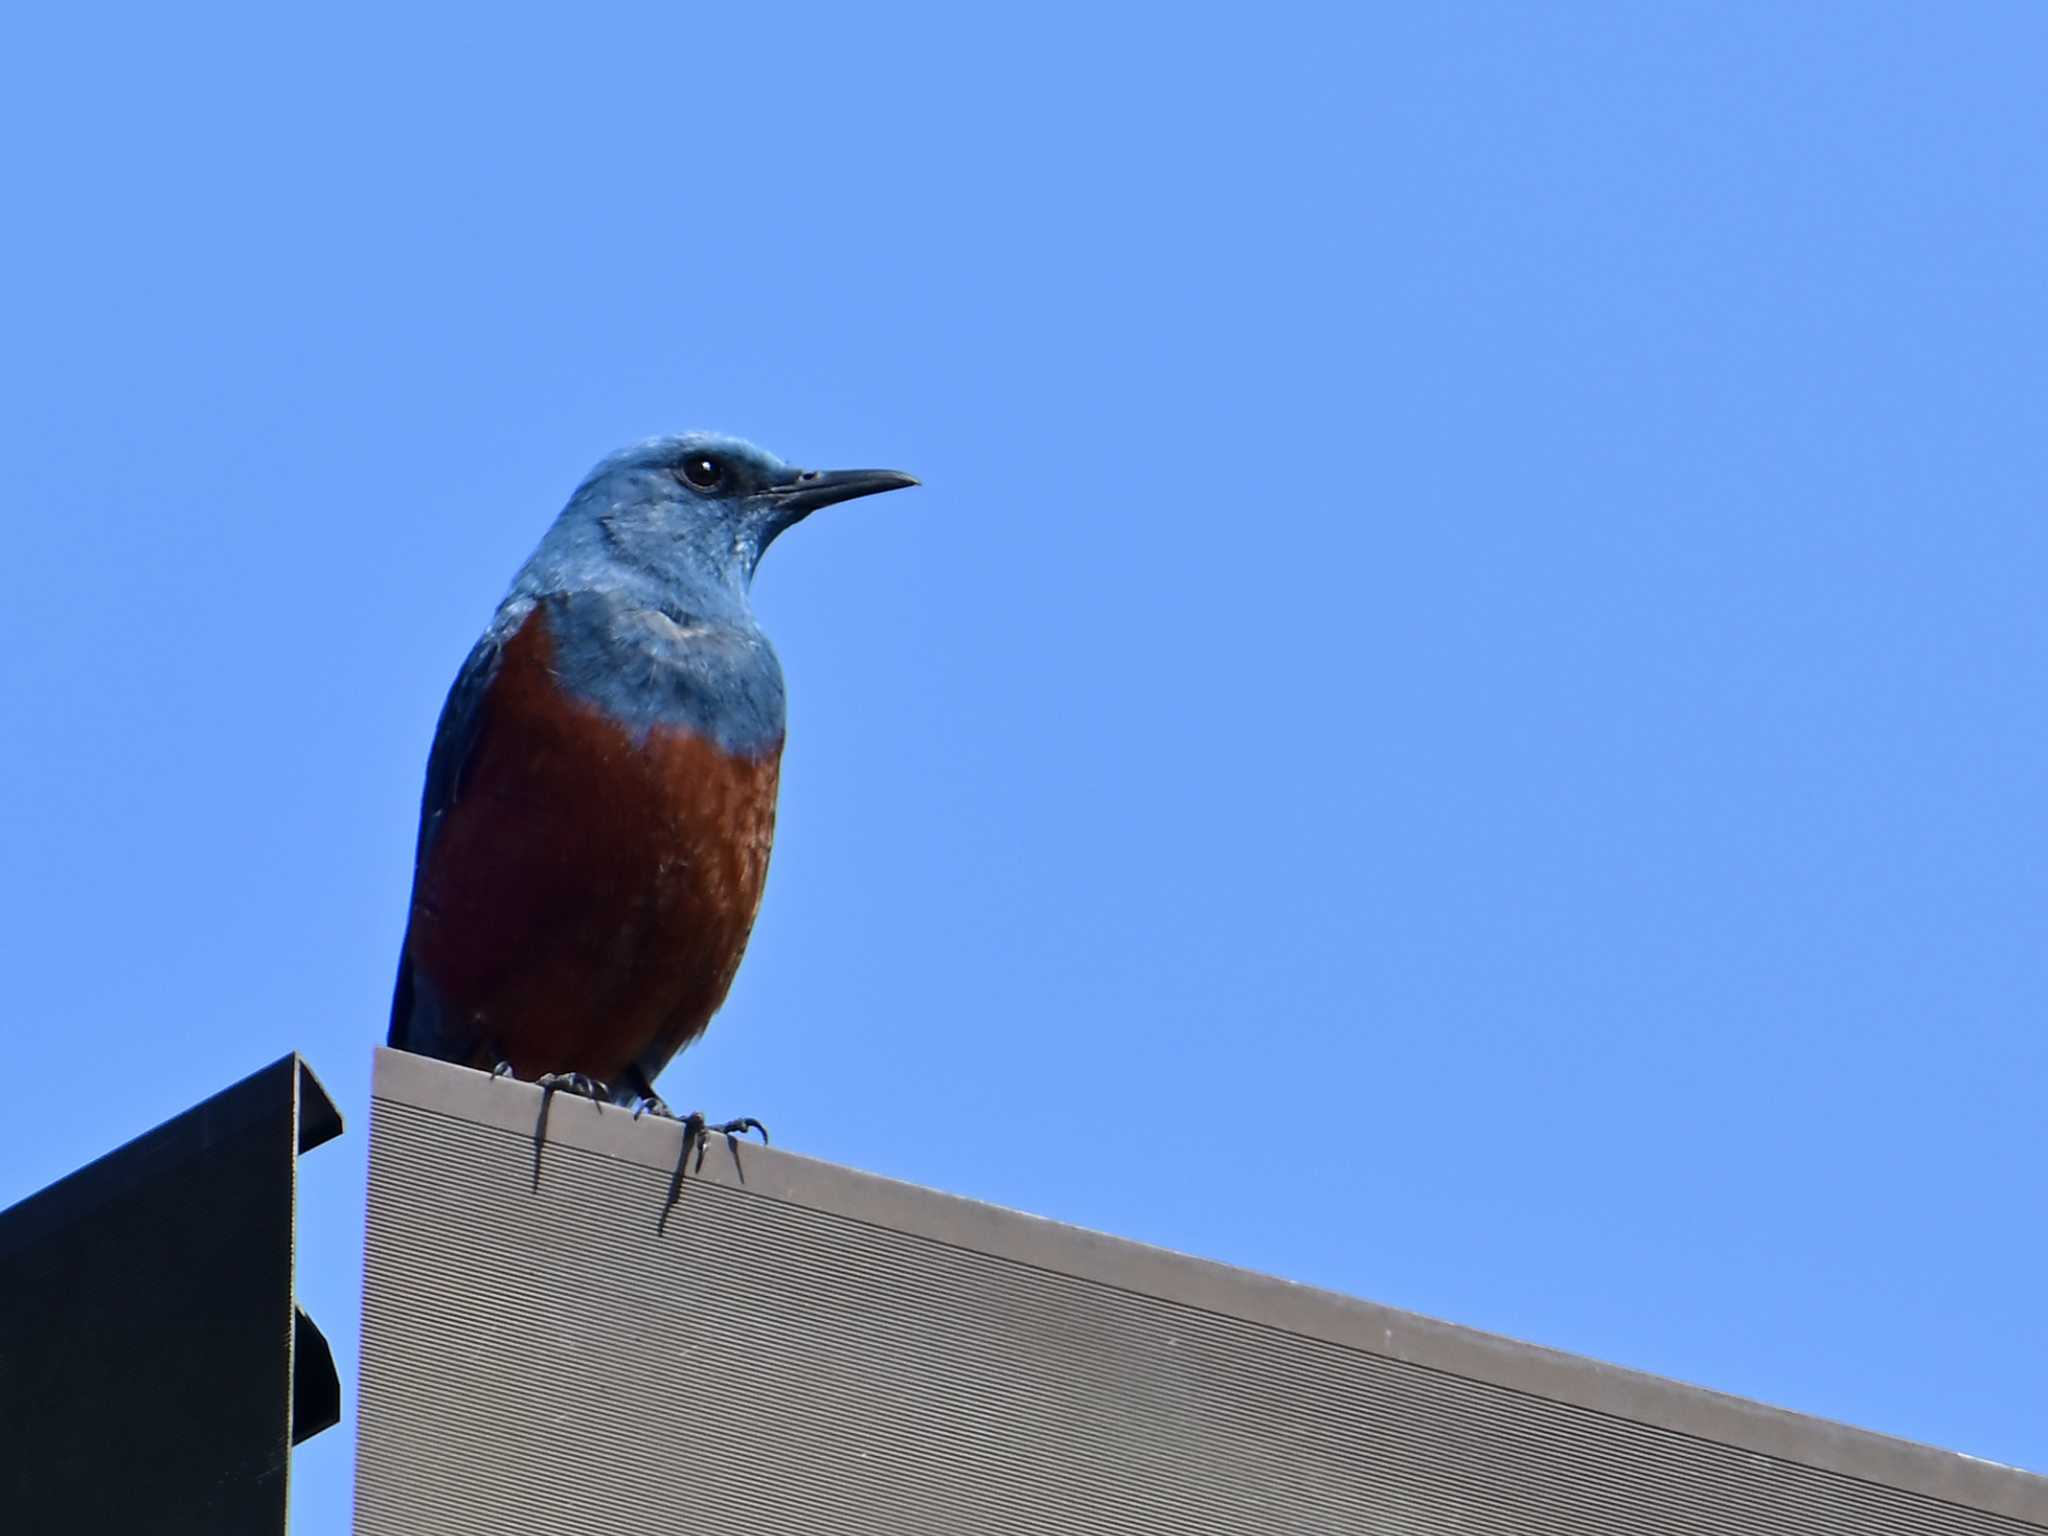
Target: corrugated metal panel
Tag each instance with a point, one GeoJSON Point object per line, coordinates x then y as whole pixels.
{"type": "Point", "coordinates": [814, 1350]}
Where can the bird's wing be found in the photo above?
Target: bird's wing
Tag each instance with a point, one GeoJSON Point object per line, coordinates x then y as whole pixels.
{"type": "Point", "coordinates": [455, 740]}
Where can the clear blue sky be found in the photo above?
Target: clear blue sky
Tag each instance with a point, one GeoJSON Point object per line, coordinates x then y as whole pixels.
{"type": "Point", "coordinates": [1461, 717]}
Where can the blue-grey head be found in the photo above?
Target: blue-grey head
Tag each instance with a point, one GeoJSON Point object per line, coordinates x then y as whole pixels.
{"type": "Point", "coordinates": [694, 511]}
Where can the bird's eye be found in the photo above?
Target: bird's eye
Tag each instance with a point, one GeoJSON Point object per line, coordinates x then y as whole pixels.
{"type": "Point", "coordinates": [703, 472]}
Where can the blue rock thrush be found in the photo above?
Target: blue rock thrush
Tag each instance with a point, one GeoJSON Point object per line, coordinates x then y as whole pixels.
{"type": "Point", "coordinates": [600, 795]}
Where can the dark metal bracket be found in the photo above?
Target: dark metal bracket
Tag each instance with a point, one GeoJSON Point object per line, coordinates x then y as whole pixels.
{"type": "Point", "coordinates": [155, 1369]}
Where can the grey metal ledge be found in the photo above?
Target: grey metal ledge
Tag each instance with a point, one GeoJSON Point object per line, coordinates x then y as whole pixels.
{"type": "Point", "coordinates": [800, 1347]}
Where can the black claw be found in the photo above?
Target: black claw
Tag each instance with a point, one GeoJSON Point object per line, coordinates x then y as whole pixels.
{"type": "Point", "coordinates": [579, 1083]}
{"type": "Point", "coordinates": [693, 1136]}
{"type": "Point", "coordinates": [733, 1130]}
{"type": "Point", "coordinates": [697, 1134]}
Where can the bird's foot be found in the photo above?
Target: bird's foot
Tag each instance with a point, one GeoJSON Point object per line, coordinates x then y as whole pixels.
{"type": "Point", "coordinates": [582, 1084]}
{"type": "Point", "coordinates": [651, 1104]}
{"type": "Point", "coordinates": [697, 1132]}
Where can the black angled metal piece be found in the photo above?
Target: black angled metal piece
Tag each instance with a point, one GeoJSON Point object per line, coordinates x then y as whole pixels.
{"type": "Point", "coordinates": [155, 1370]}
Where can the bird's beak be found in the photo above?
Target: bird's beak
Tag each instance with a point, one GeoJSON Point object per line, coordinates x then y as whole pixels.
{"type": "Point", "coordinates": [816, 488]}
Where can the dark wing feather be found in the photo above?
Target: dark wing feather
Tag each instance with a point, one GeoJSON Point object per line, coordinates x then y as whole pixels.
{"type": "Point", "coordinates": [455, 739]}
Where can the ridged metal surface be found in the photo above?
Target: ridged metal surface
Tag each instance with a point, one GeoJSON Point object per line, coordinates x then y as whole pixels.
{"type": "Point", "coordinates": [815, 1351]}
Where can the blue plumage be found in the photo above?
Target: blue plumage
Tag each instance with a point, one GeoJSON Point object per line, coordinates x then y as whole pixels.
{"type": "Point", "coordinates": [599, 798]}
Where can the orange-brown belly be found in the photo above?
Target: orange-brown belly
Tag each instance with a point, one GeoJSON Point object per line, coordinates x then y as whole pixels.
{"type": "Point", "coordinates": [587, 899]}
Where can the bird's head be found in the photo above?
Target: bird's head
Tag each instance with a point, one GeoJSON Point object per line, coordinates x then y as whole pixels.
{"type": "Point", "coordinates": [700, 508]}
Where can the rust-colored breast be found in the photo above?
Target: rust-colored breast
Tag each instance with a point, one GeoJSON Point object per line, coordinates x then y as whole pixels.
{"type": "Point", "coordinates": [586, 900]}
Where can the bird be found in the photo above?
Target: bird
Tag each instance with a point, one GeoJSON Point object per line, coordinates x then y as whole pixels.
{"type": "Point", "coordinates": [600, 796]}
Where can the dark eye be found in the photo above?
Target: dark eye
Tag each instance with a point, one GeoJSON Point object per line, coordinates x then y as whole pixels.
{"type": "Point", "coordinates": [703, 471]}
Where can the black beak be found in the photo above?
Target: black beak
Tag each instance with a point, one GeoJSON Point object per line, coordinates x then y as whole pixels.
{"type": "Point", "coordinates": [816, 488]}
